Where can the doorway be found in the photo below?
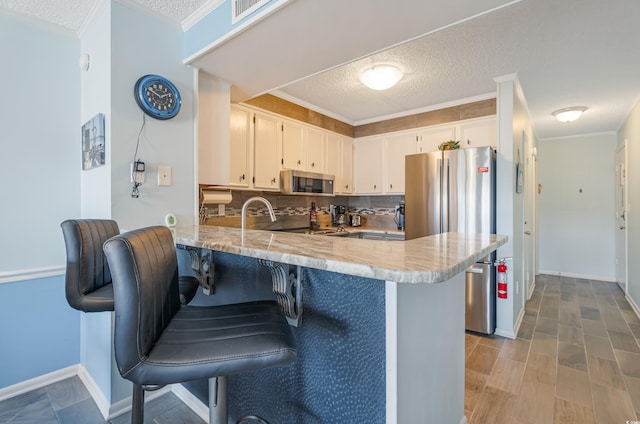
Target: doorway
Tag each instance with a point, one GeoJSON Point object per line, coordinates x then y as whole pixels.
{"type": "Point", "coordinates": [529, 241]}
{"type": "Point", "coordinates": [621, 216]}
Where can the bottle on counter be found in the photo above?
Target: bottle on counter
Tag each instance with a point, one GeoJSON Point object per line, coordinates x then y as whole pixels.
{"type": "Point", "coordinates": [313, 217]}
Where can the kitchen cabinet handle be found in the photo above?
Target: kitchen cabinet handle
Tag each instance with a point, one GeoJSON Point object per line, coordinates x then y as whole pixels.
{"type": "Point", "coordinates": [298, 161]}
{"type": "Point", "coordinates": [273, 181]}
{"type": "Point", "coordinates": [528, 233]}
{"type": "Point", "coordinates": [390, 185]}
{"type": "Point", "coordinates": [242, 178]}
{"type": "Point", "coordinates": [313, 164]}
{"type": "Point", "coordinates": [346, 186]}
{"type": "Point", "coordinates": [375, 186]}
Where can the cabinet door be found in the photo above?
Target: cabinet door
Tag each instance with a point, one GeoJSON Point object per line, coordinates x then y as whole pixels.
{"type": "Point", "coordinates": [266, 159]}
{"type": "Point", "coordinates": [429, 139]}
{"type": "Point", "coordinates": [346, 183]}
{"type": "Point", "coordinates": [339, 162]}
{"type": "Point", "coordinates": [240, 138]}
{"type": "Point", "coordinates": [315, 149]}
{"type": "Point", "coordinates": [368, 166]}
{"type": "Point", "coordinates": [397, 147]}
{"type": "Point", "coordinates": [478, 133]}
{"type": "Point", "coordinates": [293, 154]}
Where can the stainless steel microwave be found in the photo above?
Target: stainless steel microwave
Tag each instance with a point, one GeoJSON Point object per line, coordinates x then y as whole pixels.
{"type": "Point", "coordinates": [306, 183]}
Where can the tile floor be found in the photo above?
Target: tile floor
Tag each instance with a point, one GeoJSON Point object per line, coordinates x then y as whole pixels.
{"type": "Point", "coordinates": [68, 402]}
{"type": "Point", "coordinates": [576, 360]}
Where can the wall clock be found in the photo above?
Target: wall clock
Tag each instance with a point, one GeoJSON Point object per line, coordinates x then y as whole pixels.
{"type": "Point", "coordinates": [157, 96]}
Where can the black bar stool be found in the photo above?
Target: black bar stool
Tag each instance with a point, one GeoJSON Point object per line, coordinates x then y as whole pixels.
{"type": "Point", "coordinates": [158, 342]}
{"type": "Point", "coordinates": [88, 285]}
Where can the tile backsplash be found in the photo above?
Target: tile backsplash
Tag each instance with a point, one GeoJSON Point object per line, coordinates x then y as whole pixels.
{"type": "Point", "coordinates": [378, 211]}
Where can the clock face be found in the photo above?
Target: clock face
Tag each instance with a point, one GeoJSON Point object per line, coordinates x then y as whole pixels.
{"type": "Point", "coordinates": [157, 97]}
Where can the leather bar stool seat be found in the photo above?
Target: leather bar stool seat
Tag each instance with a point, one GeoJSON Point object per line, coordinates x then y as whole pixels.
{"type": "Point", "coordinates": [158, 342]}
{"type": "Point", "coordinates": [88, 285]}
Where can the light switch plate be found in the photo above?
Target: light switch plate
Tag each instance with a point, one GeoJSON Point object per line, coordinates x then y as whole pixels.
{"type": "Point", "coordinates": [164, 176]}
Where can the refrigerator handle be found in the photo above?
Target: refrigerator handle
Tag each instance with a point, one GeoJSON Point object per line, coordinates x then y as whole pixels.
{"type": "Point", "coordinates": [441, 199]}
{"type": "Point", "coordinates": [444, 215]}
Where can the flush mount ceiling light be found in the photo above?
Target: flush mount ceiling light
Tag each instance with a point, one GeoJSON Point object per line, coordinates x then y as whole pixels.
{"type": "Point", "coordinates": [381, 77]}
{"type": "Point", "coordinates": [569, 114]}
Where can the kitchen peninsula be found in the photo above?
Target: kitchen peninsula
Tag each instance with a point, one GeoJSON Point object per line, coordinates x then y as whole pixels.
{"type": "Point", "coordinates": [381, 337]}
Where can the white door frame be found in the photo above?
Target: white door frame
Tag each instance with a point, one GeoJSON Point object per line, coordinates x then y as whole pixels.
{"type": "Point", "coordinates": [621, 228]}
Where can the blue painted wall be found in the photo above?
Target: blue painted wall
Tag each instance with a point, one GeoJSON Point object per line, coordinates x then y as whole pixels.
{"type": "Point", "coordinates": [39, 332]}
{"type": "Point", "coordinates": [40, 140]}
{"type": "Point", "coordinates": [213, 26]}
{"type": "Point", "coordinates": [40, 173]}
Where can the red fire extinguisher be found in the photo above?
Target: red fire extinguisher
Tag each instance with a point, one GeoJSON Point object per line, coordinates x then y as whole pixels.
{"type": "Point", "coordinates": [502, 280]}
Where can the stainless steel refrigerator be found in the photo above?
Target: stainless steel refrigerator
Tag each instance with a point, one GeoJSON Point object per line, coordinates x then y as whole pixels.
{"type": "Point", "coordinates": [454, 191]}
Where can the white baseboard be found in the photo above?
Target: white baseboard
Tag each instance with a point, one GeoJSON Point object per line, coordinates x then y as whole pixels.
{"type": "Point", "coordinates": [38, 382]}
{"type": "Point", "coordinates": [463, 420]}
{"type": "Point", "coordinates": [191, 401]}
{"type": "Point", "coordinates": [94, 391]}
{"type": "Point", "coordinates": [510, 334]}
{"type": "Point", "coordinates": [531, 290]}
{"type": "Point", "coordinates": [583, 276]}
{"type": "Point", "coordinates": [633, 304]}
{"type": "Point", "coordinates": [107, 410]}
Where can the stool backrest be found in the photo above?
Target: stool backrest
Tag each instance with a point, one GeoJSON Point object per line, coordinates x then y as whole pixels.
{"type": "Point", "coordinates": [144, 268]}
{"type": "Point", "coordinates": [87, 267]}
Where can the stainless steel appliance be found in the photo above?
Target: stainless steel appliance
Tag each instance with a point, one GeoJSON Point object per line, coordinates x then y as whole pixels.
{"type": "Point", "coordinates": [355, 220]}
{"type": "Point", "coordinates": [399, 218]}
{"type": "Point", "coordinates": [454, 191]}
{"type": "Point", "coordinates": [305, 183]}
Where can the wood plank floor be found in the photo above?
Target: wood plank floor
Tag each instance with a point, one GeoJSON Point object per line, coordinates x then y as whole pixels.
{"type": "Point", "coordinates": [576, 360]}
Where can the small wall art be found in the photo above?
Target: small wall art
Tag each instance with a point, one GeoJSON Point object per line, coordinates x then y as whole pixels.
{"type": "Point", "coordinates": [93, 143]}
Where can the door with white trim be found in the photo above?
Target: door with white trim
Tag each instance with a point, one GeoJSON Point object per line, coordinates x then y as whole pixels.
{"type": "Point", "coordinates": [622, 212]}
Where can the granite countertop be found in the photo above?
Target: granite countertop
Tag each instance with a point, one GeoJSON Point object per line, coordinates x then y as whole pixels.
{"type": "Point", "coordinates": [425, 260]}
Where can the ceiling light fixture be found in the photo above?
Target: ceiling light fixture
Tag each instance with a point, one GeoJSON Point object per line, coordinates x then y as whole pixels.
{"type": "Point", "coordinates": [381, 77]}
{"type": "Point", "coordinates": [569, 114]}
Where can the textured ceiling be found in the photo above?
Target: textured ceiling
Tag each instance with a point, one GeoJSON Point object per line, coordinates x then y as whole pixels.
{"type": "Point", "coordinates": [564, 52]}
{"type": "Point", "coordinates": [71, 14]}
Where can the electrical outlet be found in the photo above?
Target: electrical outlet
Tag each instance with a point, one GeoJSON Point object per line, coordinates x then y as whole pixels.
{"type": "Point", "coordinates": [164, 176]}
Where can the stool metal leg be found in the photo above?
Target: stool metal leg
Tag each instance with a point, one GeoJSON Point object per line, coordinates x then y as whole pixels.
{"type": "Point", "coordinates": [137, 405]}
{"type": "Point", "coordinates": [218, 400]}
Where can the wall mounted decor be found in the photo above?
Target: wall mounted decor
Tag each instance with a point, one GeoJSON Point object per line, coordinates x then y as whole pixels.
{"type": "Point", "coordinates": [93, 142]}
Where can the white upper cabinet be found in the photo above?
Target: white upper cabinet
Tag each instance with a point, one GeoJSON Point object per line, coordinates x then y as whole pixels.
{"type": "Point", "coordinates": [346, 177]}
{"type": "Point", "coordinates": [368, 165]}
{"type": "Point", "coordinates": [293, 152]}
{"type": "Point", "coordinates": [380, 160]}
{"type": "Point", "coordinates": [428, 139]}
{"type": "Point", "coordinates": [339, 162]}
{"type": "Point", "coordinates": [396, 148]}
{"type": "Point", "coordinates": [266, 158]}
{"type": "Point", "coordinates": [478, 132]}
{"type": "Point", "coordinates": [315, 143]}
{"type": "Point", "coordinates": [303, 147]}
{"type": "Point", "coordinates": [240, 147]}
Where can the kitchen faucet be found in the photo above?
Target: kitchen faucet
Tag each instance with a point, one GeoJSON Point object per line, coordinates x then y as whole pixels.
{"type": "Point", "coordinates": [256, 199]}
